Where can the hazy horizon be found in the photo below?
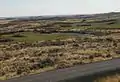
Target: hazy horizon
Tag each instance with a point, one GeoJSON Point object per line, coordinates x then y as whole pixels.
{"type": "Point", "coordinates": [18, 8]}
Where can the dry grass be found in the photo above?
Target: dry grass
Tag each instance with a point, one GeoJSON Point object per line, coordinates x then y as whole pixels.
{"type": "Point", "coordinates": [34, 52]}
{"type": "Point", "coordinates": [4, 21]}
{"type": "Point", "coordinates": [22, 58]}
{"type": "Point", "coordinates": [114, 78]}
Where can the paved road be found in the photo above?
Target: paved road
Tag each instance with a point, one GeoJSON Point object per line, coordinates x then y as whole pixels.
{"type": "Point", "coordinates": [68, 73]}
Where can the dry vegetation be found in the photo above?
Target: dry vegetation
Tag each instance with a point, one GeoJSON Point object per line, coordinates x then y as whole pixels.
{"type": "Point", "coordinates": [30, 47]}
{"type": "Point", "coordinates": [114, 78]}
{"type": "Point", "coordinates": [22, 58]}
{"type": "Point", "coordinates": [4, 21]}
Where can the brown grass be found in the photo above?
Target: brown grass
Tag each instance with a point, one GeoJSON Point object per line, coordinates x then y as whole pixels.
{"type": "Point", "coordinates": [114, 78]}
{"type": "Point", "coordinates": [22, 58]}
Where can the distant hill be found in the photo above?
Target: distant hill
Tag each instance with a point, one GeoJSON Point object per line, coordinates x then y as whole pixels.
{"type": "Point", "coordinates": [62, 17]}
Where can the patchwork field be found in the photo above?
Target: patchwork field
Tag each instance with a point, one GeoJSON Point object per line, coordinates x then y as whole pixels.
{"type": "Point", "coordinates": [34, 46]}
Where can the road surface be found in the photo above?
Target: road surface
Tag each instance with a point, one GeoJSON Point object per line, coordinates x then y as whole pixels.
{"type": "Point", "coordinates": [68, 73]}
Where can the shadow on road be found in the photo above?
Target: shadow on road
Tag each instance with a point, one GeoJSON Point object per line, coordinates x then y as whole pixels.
{"type": "Point", "coordinates": [93, 77]}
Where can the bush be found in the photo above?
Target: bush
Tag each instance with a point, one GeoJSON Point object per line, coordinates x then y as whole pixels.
{"type": "Point", "coordinates": [43, 63]}
{"type": "Point", "coordinates": [46, 62]}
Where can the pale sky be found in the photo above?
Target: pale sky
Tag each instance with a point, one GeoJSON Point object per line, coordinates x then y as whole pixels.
{"type": "Point", "coordinates": [56, 7]}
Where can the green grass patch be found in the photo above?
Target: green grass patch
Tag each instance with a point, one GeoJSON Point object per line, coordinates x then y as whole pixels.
{"type": "Point", "coordinates": [76, 27]}
{"type": "Point", "coordinates": [30, 36]}
{"type": "Point", "coordinates": [104, 27]}
{"type": "Point", "coordinates": [94, 27]}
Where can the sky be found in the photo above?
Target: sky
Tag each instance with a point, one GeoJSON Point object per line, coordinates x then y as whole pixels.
{"type": "Point", "coordinates": [11, 8]}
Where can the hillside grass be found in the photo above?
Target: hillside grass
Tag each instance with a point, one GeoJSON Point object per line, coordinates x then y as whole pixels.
{"type": "Point", "coordinates": [94, 27]}
{"type": "Point", "coordinates": [31, 36]}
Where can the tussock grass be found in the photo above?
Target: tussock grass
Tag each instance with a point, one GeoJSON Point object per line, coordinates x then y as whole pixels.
{"type": "Point", "coordinates": [114, 78]}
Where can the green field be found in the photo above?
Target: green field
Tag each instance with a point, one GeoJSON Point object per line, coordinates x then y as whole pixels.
{"type": "Point", "coordinates": [94, 27]}
{"type": "Point", "coordinates": [30, 36]}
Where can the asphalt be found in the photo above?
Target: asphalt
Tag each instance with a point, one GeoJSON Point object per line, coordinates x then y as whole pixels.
{"type": "Point", "coordinates": [68, 73]}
